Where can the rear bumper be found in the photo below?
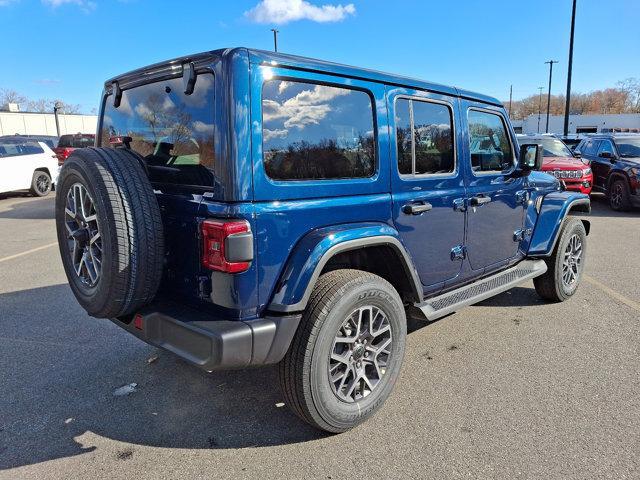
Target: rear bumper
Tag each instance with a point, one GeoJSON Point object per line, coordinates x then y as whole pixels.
{"type": "Point", "coordinates": [211, 343]}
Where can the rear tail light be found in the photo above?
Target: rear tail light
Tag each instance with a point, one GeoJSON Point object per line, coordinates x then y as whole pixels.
{"type": "Point", "coordinates": [63, 153]}
{"type": "Point", "coordinates": [227, 245]}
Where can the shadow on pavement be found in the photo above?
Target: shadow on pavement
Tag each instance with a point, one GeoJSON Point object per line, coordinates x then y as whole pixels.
{"type": "Point", "coordinates": [30, 209]}
{"type": "Point", "coordinates": [600, 208]}
{"type": "Point", "coordinates": [60, 369]}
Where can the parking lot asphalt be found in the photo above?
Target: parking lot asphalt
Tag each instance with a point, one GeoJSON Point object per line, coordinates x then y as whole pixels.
{"type": "Point", "coordinates": [510, 388]}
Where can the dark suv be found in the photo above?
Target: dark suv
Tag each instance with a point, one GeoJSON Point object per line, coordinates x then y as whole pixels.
{"type": "Point", "coordinates": [615, 162]}
{"type": "Point", "coordinates": [246, 208]}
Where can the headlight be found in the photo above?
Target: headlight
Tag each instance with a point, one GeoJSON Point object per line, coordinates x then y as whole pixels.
{"type": "Point", "coordinates": [635, 171]}
{"type": "Point", "coordinates": [586, 171]}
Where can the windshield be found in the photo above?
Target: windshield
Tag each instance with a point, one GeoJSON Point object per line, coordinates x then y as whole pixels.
{"type": "Point", "coordinates": [174, 132]}
{"type": "Point", "coordinates": [628, 147]}
{"type": "Point", "coordinates": [552, 147]}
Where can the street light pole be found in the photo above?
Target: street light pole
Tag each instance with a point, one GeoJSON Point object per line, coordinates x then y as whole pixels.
{"type": "Point", "coordinates": [550, 62]}
{"type": "Point", "coordinates": [568, 100]}
{"type": "Point", "coordinates": [510, 98]}
{"type": "Point", "coordinates": [56, 107]}
{"type": "Point", "coordinates": [275, 39]}
{"type": "Point", "coordinates": [539, 107]}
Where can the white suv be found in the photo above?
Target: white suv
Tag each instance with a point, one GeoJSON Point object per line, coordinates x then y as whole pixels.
{"type": "Point", "coordinates": [27, 164]}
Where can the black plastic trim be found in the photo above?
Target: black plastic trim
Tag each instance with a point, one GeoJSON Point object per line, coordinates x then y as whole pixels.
{"type": "Point", "coordinates": [212, 343]}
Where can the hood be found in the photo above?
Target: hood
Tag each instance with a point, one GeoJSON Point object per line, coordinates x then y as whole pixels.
{"type": "Point", "coordinates": [562, 163]}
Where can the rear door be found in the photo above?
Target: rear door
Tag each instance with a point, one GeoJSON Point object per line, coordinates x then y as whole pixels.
{"type": "Point", "coordinates": [428, 182]}
{"type": "Point", "coordinates": [496, 197]}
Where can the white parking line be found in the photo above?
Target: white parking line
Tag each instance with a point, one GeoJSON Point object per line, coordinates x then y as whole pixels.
{"type": "Point", "coordinates": [618, 296]}
{"type": "Point", "coordinates": [22, 254]}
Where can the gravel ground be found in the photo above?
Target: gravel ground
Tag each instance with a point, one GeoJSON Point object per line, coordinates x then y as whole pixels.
{"type": "Point", "coordinates": [509, 388]}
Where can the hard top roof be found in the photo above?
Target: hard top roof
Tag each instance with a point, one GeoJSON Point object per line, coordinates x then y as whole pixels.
{"type": "Point", "coordinates": [281, 59]}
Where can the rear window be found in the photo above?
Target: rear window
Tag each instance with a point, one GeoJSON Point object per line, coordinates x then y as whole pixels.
{"type": "Point", "coordinates": [76, 141]}
{"type": "Point", "coordinates": [316, 132]}
{"type": "Point", "coordinates": [174, 132]}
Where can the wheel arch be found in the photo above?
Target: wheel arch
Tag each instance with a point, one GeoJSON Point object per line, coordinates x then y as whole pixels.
{"type": "Point", "coordinates": [553, 210]}
{"type": "Point", "coordinates": [356, 246]}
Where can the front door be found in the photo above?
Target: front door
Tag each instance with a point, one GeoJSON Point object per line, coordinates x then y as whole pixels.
{"type": "Point", "coordinates": [496, 198]}
{"type": "Point", "coordinates": [601, 166]}
{"type": "Point", "coordinates": [428, 183]}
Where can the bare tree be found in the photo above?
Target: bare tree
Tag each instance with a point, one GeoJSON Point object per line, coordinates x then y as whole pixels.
{"type": "Point", "coordinates": [11, 96]}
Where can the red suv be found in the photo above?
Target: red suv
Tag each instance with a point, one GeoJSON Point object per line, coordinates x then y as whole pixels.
{"type": "Point", "coordinates": [560, 162]}
{"type": "Point", "coordinates": [68, 143]}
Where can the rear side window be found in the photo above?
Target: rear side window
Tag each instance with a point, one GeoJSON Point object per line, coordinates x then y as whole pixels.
{"type": "Point", "coordinates": [174, 132]}
{"type": "Point", "coordinates": [9, 148]}
{"type": "Point", "coordinates": [76, 141]}
{"type": "Point", "coordinates": [424, 134]}
{"type": "Point", "coordinates": [489, 142]}
{"type": "Point", "coordinates": [316, 132]}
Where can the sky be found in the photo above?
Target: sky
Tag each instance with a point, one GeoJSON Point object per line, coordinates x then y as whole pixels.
{"type": "Point", "coordinates": [66, 48]}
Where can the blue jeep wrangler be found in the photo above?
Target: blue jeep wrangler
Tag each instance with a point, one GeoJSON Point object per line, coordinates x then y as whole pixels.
{"type": "Point", "coordinates": [246, 208]}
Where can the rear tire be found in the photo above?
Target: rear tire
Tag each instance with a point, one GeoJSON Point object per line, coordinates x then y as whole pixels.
{"type": "Point", "coordinates": [340, 300]}
{"type": "Point", "coordinates": [565, 265]}
{"type": "Point", "coordinates": [109, 231]}
{"type": "Point", "coordinates": [40, 184]}
{"type": "Point", "coordinates": [618, 195]}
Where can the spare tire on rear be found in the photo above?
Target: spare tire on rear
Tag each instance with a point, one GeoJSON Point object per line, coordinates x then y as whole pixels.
{"type": "Point", "coordinates": [109, 231]}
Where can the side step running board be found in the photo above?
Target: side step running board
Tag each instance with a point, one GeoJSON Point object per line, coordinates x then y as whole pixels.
{"type": "Point", "coordinates": [437, 307]}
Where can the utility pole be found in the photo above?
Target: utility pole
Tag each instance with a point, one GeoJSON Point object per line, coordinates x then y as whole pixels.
{"type": "Point", "coordinates": [550, 62]}
{"type": "Point", "coordinates": [275, 39]}
{"type": "Point", "coordinates": [539, 106]}
{"type": "Point", "coordinates": [56, 107]}
{"type": "Point", "coordinates": [568, 100]}
{"type": "Point", "coordinates": [510, 98]}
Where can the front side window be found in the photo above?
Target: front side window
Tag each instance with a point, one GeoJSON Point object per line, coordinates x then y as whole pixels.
{"type": "Point", "coordinates": [316, 132]}
{"type": "Point", "coordinates": [169, 129]}
{"type": "Point", "coordinates": [489, 142]}
{"type": "Point", "coordinates": [424, 135]}
{"type": "Point", "coordinates": [590, 147]}
{"type": "Point", "coordinates": [606, 146]}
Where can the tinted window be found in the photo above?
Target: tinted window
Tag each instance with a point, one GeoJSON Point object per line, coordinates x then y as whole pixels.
{"type": "Point", "coordinates": [76, 141]}
{"type": "Point", "coordinates": [489, 142]}
{"type": "Point", "coordinates": [424, 129]}
{"type": "Point", "coordinates": [14, 148]}
{"type": "Point", "coordinates": [590, 147]}
{"type": "Point", "coordinates": [168, 128]}
{"type": "Point", "coordinates": [606, 146]}
{"type": "Point", "coordinates": [312, 131]}
{"type": "Point", "coordinates": [628, 147]}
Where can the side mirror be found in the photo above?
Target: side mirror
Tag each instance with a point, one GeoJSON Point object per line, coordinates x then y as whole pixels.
{"type": "Point", "coordinates": [577, 154]}
{"type": "Point", "coordinates": [608, 155]}
{"type": "Point", "coordinates": [530, 157]}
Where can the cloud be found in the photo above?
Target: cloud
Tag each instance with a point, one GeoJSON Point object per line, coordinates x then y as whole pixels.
{"type": "Point", "coordinates": [285, 11]}
{"type": "Point", "coordinates": [308, 107]}
{"type": "Point", "coordinates": [276, 133]}
{"type": "Point", "coordinates": [85, 5]}
{"type": "Point", "coordinates": [201, 127]}
{"type": "Point", "coordinates": [47, 81]}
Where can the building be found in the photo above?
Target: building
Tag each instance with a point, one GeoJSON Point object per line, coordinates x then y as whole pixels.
{"type": "Point", "coordinates": [25, 123]}
{"type": "Point", "coordinates": [625, 122]}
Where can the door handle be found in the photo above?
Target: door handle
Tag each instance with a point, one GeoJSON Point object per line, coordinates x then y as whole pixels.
{"type": "Point", "coordinates": [416, 208]}
{"type": "Point", "coordinates": [479, 200]}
